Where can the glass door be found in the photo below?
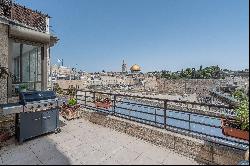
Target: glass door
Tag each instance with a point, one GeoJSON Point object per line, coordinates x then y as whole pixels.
{"type": "Point", "coordinates": [27, 67]}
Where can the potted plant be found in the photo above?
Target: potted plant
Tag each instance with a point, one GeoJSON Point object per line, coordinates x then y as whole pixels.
{"type": "Point", "coordinates": [238, 128]}
{"type": "Point", "coordinates": [3, 72]}
{"type": "Point", "coordinates": [23, 87]}
{"type": "Point", "coordinates": [57, 89]}
{"type": "Point", "coordinates": [103, 103]}
{"type": "Point", "coordinates": [71, 110]}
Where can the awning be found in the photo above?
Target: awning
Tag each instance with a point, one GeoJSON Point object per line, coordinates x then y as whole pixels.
{"type": "Point", "coordinates": [31, 35]}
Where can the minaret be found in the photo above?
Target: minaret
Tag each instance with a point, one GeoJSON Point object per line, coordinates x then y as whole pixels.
{"type": "Point", "coordinates": [124, 67]}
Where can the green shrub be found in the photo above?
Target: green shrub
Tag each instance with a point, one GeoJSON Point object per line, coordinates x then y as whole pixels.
{"type": "Point", "coordinates": [71, 90]}
{"type": "Point", "coordinates": [242, 110]}
{"type": "Point", "coordinates": [72, 102]}
{"type": "Point", "coordinates": [23, 86]}
{"type": "Point", "coordinates": [58, 89]}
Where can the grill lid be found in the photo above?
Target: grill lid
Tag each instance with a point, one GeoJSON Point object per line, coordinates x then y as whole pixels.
{"type": "Point", "coordinates": [36, 96]}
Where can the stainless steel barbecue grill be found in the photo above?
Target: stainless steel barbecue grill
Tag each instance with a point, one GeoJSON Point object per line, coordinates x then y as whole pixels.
{"type": "Point", "coordinates": [37, 113]}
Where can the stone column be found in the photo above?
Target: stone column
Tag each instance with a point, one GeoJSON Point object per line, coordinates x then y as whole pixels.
{"type": "Point", "coordinates": [45, 67]}
{"type": "Point", "coordinates": [3, 60]}
{"type": "Point", "coordinates": [7, 122]}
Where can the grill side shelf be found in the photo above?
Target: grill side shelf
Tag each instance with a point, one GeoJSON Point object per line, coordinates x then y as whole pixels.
{"type": "Point", "coordinates": [13, 108]}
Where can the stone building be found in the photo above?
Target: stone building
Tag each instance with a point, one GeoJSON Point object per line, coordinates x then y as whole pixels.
{"type": "Point", "coordinates": [24, 48]}
{"type": "Point", "coordinates": [135, 68]}
{"type": "Point", "coordinates": [25, 42]}
{"type": "Point", "coordinates": [61, 72]}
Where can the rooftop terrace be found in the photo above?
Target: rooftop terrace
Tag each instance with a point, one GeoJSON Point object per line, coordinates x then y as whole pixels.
{"type": "Point", "coordinates": [133, 130]}
{"type": "Point", "coordinates": [82, 142]}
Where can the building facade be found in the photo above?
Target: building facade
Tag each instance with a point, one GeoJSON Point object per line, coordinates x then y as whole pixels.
{"type": "Point", "coordinates": [25, 42]}
{"type": "Point", "coordinates": [24, 48]}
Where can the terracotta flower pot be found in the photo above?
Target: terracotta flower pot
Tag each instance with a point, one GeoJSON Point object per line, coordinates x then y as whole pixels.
{"type": "Point", "coordinates": [70, 112]}
{"type": "Point", "coordinates": [233, 132]}
{"type": "Point", "coordinates": [103, 104]}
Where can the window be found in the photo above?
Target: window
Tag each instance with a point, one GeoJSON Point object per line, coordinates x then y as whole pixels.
{"type": "Point", "coordinates": [26, 65]}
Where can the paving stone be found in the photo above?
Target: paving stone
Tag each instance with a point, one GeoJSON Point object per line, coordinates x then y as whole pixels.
{"type": "Point", "coordinates": [26, 161]}
{"type": "Point", "coordinates": [144, 160]}
{"type": "Point", "coordinates": [58, 161]}
{"type": "Point", "coordinates": [178, 160]}
{"type": "Point", "coordinates": [46, 155]}
{"type": "Point", "coordinates": [94, 158]}
{"type": "Point", "coordinates": [88, 144]}
{"type": "Point", "coordinates": [125, 156]}
{"type": "Point", "coordinates": [16, 156]}
{"type": "Point", "coordinates": [110, 161]}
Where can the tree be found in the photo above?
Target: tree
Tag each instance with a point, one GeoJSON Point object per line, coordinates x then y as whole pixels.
{"type": "Point", "coordinates": [239, 95]}
{"type": "Point", "coordinates": [174, 76]}
{"type": "Point", "coordinates": [191, 73]}
{"type": "Point", "coordinates": [188, 73]}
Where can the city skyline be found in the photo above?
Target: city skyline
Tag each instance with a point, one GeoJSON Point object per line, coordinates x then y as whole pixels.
{"type": "Point", "coordinates": [157, 35]}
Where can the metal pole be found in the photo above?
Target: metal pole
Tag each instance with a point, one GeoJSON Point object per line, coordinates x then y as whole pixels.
{"type": "Point", "coordinates": [129, 114]}
{"type": "Point", "coordinates": [165, 114]}
{"type": "Point", "coordinates": [114, 102]}
{"type": "Point", "coordinates": [189, 124]}
{"type": "Point", "coordinates": [7, 89]}
{"type": "Point", "coordinates": [76, 95]}
{"type": "Point", "coordinates": [155, 116]}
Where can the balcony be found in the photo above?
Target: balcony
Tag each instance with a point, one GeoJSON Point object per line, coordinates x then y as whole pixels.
{"type": "Point", "coordinates": [134, 130]}
{"type": "Point", "coordinates": [82, 142]}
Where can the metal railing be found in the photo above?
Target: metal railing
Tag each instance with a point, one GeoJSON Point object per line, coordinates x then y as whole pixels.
{"type": "Point", "coordinates": [177, 116]}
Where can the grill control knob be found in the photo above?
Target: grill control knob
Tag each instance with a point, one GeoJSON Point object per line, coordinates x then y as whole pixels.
{"type": "Point", "coordinates": [38, 106]}
{"type": "Point", "coordinates": [50, 103]}
{"type": "Point", "coordinates": [45, 105]}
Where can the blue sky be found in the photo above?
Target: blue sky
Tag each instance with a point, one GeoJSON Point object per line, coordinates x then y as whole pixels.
{"type": "Point", "coordinates": [156, 34]}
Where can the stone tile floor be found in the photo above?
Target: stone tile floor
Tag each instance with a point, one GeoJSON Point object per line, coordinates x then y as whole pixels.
{"type": "Point", "coordinates": [82, 142]}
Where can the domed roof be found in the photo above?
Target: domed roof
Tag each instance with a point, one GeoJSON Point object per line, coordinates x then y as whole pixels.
{"type": "Point", "coordinates": [135, 68]}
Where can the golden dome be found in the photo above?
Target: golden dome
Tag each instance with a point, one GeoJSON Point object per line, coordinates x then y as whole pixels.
{"type": "Point", "coordinates": [135, 68]}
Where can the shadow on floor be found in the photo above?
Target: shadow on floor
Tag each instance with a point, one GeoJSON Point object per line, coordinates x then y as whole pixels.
{"type": "Point", "coordinates": [37, 151]}
{"type": "Point", "coordinates": [61, 123]}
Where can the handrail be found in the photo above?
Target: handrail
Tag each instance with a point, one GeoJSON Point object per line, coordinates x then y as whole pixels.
{"type": "Point", "coordinates": [159, 99]}
{"type": "Point", "coordinates": [125, 109]}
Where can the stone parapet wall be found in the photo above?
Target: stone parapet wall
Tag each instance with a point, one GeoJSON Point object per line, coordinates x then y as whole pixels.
{"type": "Point", "coordinates": [202, 151]}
